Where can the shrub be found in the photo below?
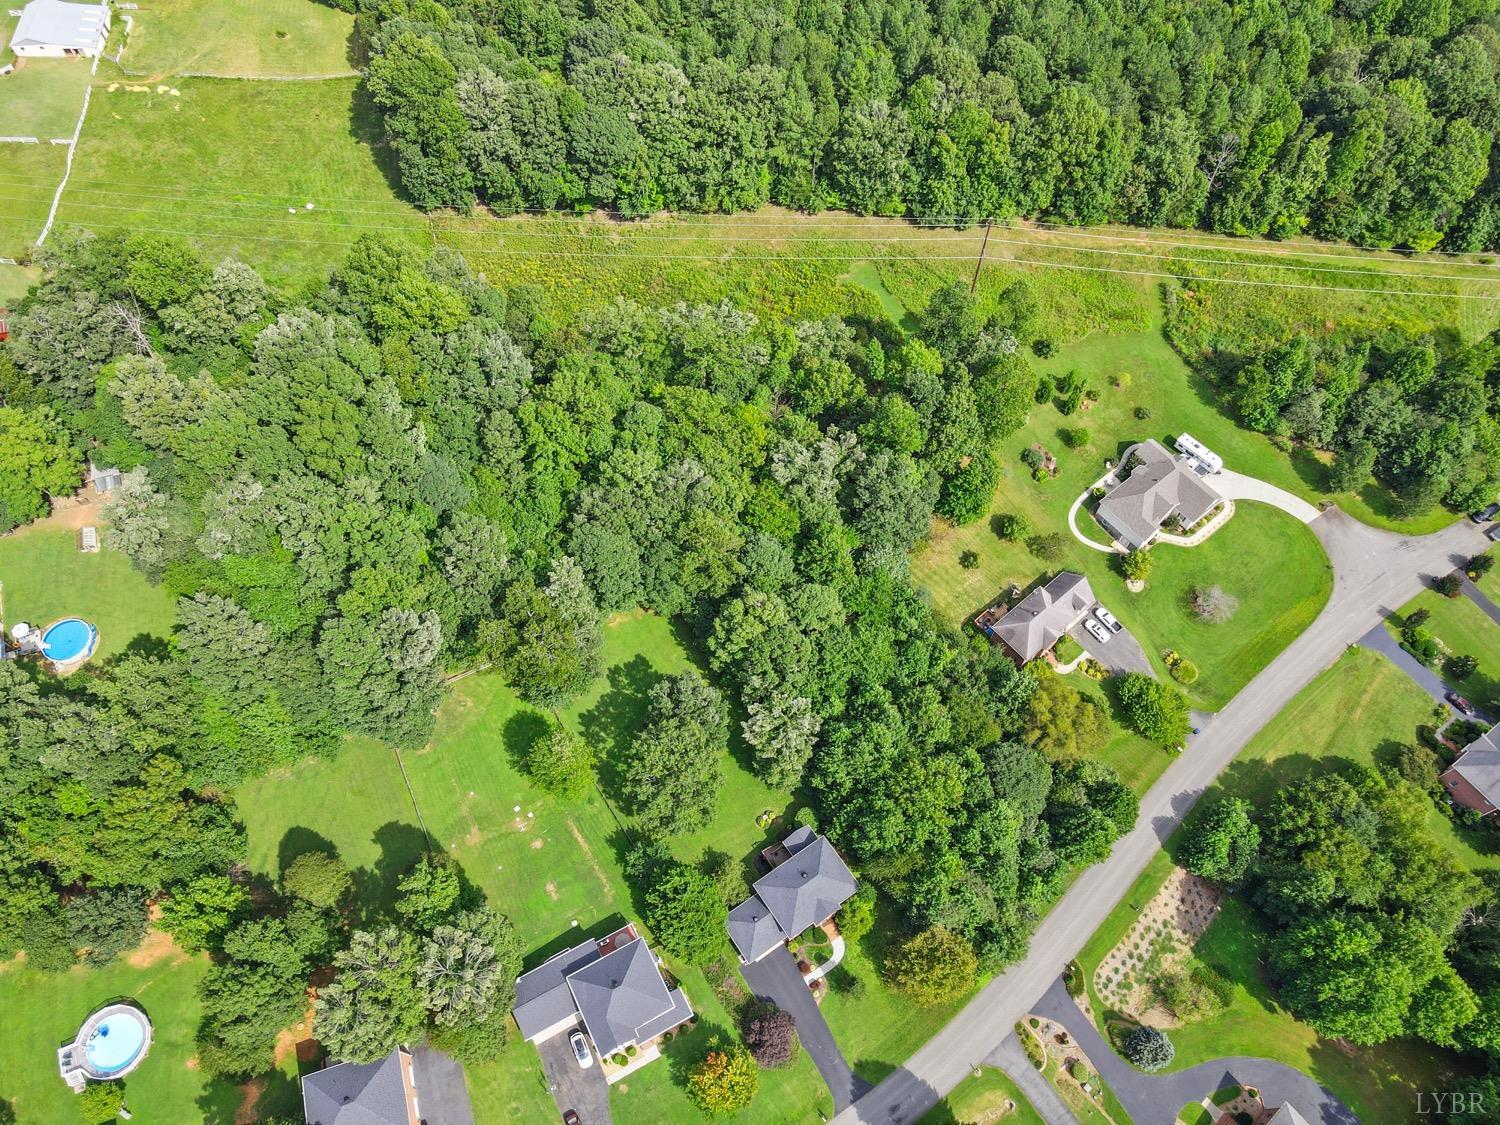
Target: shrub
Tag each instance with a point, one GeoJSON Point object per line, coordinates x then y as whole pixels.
{"type": "Point", "coordinates": [725, 1080]}
{"type": "Point", "coordinates": [1043, 347]}
{"type": "Point", "coordinates": [99, 1102]}
{"type": "Point", "coordinates": [1142, 413]}
{"type": "Point", "coordinates": [1149, 1049]}
{"type": "Point", "coordinates": [1185, 672]}
{"type": "Point", "coordinates": [1032, 458]}
{"type": "Point", "coordinates": [1122, 380]}
{"type": "Point", "coordinates": [619, 1058]}
{"type": "Point", "coordinates": [1462, 667]}
{"type": "Point", "coordinates": [1212, 605]}
{"type": "Point", "coordinates": [1418, 765]}
{"type": "Point", "coordinates": [806, 817]}
{"type": "Point", "coordinates": [1050, 546]}
{"type": "Point", "coordinates": [1136, 564]}
{"type": "Point", "coordinates": [1421, 644]}
{"type": "Point", "coordinates": [935, 966]}
{"type": "Point", "coordinates": [1012, 528]}
{"type": "Point", "coordinates": [1417, 618]}
{"type": "Point", "coordinates": [1157, 711]}
{"type": "Point", "coordinates": [1043, 390]}
{"type": "Point", "coordinates": [1449, 585]}
{"type": "Point", "coordinates": [856, 918]}
{"type": "Point", "coordinates": [1074, 437]}
{"type": "Point", "coordinates": [1481, 564]}
{"type": "Point", "coordinates": [318, 878]}
{"type": "Point", "coordinates": [562, 763]}
{"type": "Point", "coordinates": [968, 559]}
{"type": "Point", "coordinates": [771, 1035]}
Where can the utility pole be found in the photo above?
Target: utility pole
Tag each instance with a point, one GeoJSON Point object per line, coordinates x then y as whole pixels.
{"type": "Point", "coordinates": [974, 284]}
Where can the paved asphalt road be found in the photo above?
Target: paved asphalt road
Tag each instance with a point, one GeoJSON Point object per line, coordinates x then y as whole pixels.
{"type": "Point", "coordinates": [1476, 595]}
{"type": "Point", "coordinates": [775, 977]}
{"type": "Point", "coordinates": [1154, 1099]}
{"type": "Point", "coordinates": [1375, 572]}
{"type": "Point", "coordinates": [1010, 1057]}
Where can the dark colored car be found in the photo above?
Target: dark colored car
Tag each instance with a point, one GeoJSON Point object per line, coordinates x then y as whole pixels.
{"type": "Point", "coordinates": [570, 1117]}
{"type": "Point", "coordinates": [1461, 703]}
{"type": "Point", "coordinates": [1484, 515]}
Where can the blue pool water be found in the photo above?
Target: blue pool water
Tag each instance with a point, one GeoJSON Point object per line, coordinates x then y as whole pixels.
{"type": "Point", "coordinates": [67, 640]}
{"type": "Point", "coordinates": [116, 1042]}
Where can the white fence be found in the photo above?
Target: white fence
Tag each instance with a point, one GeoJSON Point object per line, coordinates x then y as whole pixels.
{"type": "Point", "coordinates": [19, 141]}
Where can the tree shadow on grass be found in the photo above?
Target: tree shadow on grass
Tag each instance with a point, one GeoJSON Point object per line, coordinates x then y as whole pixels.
{"type": "Point", "coordinates": [401, 845]}
{"type": "Point", "coordinates": [273, 1096]}
{"type": "Point", "coordinates": [609, 724]}
{"type": "Point", "coordinates": [873, 1071]}
{"type": "Point", "coordinates": [521, 732]}
{"type": "Point", "coordinates": [686, 1049]}
{"type": "Point", "coordinates": [298, 841]}
{"type": "Point", "coordinates": [368, 128]}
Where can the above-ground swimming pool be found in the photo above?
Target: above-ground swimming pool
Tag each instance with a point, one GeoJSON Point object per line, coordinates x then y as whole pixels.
{"type": "Point", "coordinates": [117, 1041]}
{"type": "Point", "coordinates": [68, 640]}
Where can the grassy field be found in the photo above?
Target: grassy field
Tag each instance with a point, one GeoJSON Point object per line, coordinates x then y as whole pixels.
{"type": "Point", "coordinates": [31, 176]}
{"type": "Point", "coordinates": [41, 99]}
{"type": "Point", "coordinates": [989, 1097]}
{"type": "Point", "coordinates": [43, 1011]}
{"type": "Point", "coordinates": [1361, 710]}
{"type": "Point", "coordinates": [554, 868]}
{"type": "Point", "coordinates": [1467, 631]}
{"type": "Point", "coordinates": [222, 162]}
{"type": "Point", "coordinates": [45, 576]}
{"type": "Point", "coordinates": [287, 38]}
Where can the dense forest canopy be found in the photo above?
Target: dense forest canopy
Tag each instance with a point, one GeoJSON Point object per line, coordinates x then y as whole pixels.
{"type": "Point", "coordinates": [1368, 120]}
{"type": "Point", "coordinates": [408, 470]}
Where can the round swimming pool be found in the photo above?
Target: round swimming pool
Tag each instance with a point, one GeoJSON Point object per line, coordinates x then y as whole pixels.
{"type": "Point", "coordinates": [68, 640]}
{"type": "Point", "coordinates": [117, 1041]}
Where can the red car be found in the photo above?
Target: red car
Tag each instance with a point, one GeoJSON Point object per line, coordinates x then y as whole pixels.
{"type": "Point", "coordinates": [1461, 704]}
{"type": "Point", "coordinates": [570, 1117]}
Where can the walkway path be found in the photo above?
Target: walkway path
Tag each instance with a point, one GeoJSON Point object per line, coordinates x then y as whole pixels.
{"type": "Point", "coordinates": [1237, 486]}
{"type": "Point", "coordinates": [775, 977]}
{"type": "Point", "coordinates": [1374, 572]}
{"type": "Point", "coordinates": [1477, 596]}
{"type": "Point", "coordinates": [1011, 1057]}
{"type": "Point", "coordinates": [1156, 1098]}
{"type": "Point", "coordinates": [1073, 515]}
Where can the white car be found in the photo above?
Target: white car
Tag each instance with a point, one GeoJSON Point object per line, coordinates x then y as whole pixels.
{"type": "Point", "coordinates": [1097, 631]}
{"type": "Point", "coordinates": [1108, 619]}
{"type": "Point", "coordinates": [581, 1050]}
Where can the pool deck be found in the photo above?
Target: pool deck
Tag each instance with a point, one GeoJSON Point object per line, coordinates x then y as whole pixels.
{"type": "Point", "coordinates": [73, 1059]}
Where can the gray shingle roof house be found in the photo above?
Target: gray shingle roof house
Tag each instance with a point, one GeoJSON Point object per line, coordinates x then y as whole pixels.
{"type": "Point", "coordinates": [1286, 1114]}
{"type": "Point", "coordinates": [1473, 780]}
{"type": "Point", "coordinates": [803, 889]}
{"type": "Point", "coordinates": [377, 1093]}
{"type": "Point", "coordinates": [1038, 620]}
{"type": "Point", "coordinates": [613, 987]}
{"type": "Point", "coordinates": [1159, 487]}
{"type": "Point", "coordinates": [53, 29]}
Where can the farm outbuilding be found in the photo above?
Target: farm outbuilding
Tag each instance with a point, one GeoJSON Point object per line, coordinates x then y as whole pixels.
{"type": "Point", "coordinates": [51, 29]}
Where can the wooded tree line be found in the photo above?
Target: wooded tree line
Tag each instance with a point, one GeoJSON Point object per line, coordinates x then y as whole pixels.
{"type": "Point", "coordinates": [408, 470]}
{"type": "Point", "coordinates": [1419, 413]}
{"type": "Point", "coordinates": [1377, 932]}
{"type": "Point", "coordinates": [1352, 120]}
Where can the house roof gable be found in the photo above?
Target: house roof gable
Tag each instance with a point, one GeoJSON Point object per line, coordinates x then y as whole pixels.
{"type": "Point", "coordinates": [808, 887]}
{"type": "Point", "coordinates": [620, 993]}
{"type": "Point", "coordinates": [357, 1094]}
{"type": "Point", "coordinates": [1036, 622]}
{"type": "Point", "coordinates": [1161, 485]}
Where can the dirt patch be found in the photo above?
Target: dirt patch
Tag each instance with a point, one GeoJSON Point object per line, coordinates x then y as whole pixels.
{"type": "Point", "coordinates": [156, 947]}
{"type": "Point", "coordinates": [192, 1063]}
{"type": "Point", "coordinates": [552, 890]}
{"type": "Point", "coordinates": [289, 1040]}
{"type": "Point", "coordinates": [250, 1092]}
{"type": "Point", "coordinates": [609, 892]}
{"type": "Point", "coordinates": [537, 843]}
{"type": "Point", "coordinates": [520, 824]}
{"type": "Point", "coordinates": [83, 509]}
{"type": "Point", "coordinates": [1162, 938]}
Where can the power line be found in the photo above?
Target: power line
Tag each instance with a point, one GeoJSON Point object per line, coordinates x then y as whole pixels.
{"type": "Point", "coordinates": [1196, 278]}
{"type": "Point", "coordinates": [1107, 230]}
{"type": "Point", "coordinates": [1187, 254]}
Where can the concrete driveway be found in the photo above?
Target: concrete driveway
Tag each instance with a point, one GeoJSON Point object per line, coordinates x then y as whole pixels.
{"type": "Point", "coordinates": [583, 1091]}
{"type": "Point", "coordinates": [1122, 653]}
{"type": "Point", "coordinates": [775, 978]}
{"type": "Point", "coordinates": [1158, 1097]}
{"type": "Point", "coordinates": [1237, 486]}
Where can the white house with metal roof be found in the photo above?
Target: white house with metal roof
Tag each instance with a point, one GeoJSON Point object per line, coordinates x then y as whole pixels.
{"type": "Point", "coordinates": [804, 889]}
{"type": "Point", "coordinates": [52, 29]}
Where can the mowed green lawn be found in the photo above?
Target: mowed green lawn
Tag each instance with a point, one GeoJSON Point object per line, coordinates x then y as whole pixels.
{"type": "Point", "coordinates": [41, 98]}
{"type": "Point", "coordinates": [45, 576]}
{"type": "Point", "coordinates": [1360, 710]}
{"type": "Point", "coordinates": [43, 1012]}
{"type": "Point", "coordinates": [27, 185]}
{"type": "Point", "coordinates": [222, 163]}
{"type": "Point", "coordinates": [269, 38]}
{"type": "Point", "coordinates": [546, 863]}
{"type": "Point", "coordinates": [984, 1098]}
{"type": "Point", "coordinates": [1467, 631]}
